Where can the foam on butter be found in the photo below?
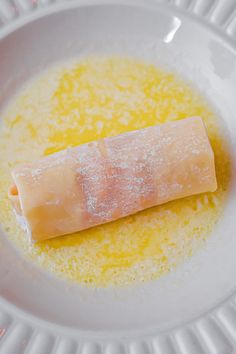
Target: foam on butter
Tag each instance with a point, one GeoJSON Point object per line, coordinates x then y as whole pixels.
{"type": "Point", "coordinates": [95, 98]}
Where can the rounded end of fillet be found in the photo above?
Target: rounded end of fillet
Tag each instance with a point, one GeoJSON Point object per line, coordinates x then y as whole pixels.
{"type": "Point", "coordinates": [214, 185]}
{"type": "Point", "coordinates": [13, 195]}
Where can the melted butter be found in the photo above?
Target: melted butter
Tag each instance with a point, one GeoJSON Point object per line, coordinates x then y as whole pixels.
{"type": "Point", "coordinates": [95, 98]}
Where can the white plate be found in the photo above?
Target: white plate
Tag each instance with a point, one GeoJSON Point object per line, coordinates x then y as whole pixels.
{"type": "Point", "coordinates": [193, 309]}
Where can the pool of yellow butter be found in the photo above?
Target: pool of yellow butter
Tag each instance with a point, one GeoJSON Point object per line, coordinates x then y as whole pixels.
{"type": "Point", "coordinates": [77, 102]}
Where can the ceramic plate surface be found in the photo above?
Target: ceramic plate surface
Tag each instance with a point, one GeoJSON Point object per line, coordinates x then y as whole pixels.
{"type": "Point", "coordinates": [192, 310]}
